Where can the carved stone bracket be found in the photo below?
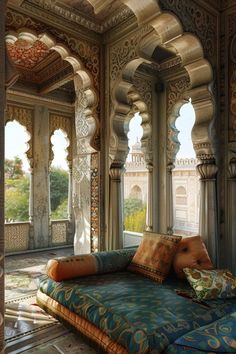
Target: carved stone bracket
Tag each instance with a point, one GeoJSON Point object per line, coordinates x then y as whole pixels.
{"type": "Point", "coordinates": [25, 117]}
{"type": "Point", "coordinates": [65, 124]}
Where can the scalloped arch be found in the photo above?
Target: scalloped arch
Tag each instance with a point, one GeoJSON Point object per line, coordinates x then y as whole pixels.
{"type": "Point", "coordinates": [83, 80]}
{"type": "Point", "coordinates": [167, 34]}
{"type": "Point", "coordinates": [127, 102]}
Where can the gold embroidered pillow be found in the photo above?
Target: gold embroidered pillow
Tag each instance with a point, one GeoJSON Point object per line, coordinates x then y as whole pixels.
{"type": "Point", "coordinates": [211, 284]}
{"type": "Point", "coordinates": [154, 255]}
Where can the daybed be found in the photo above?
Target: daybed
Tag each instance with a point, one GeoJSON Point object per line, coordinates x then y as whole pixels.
{"type": "Point", "coordinates": [103, 297]}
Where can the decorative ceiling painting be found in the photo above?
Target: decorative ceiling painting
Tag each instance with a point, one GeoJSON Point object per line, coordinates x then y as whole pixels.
{"type": "Point", "coordinates": [26, 55]}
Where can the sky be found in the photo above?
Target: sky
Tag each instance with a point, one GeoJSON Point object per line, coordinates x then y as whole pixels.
{"type": "Point", "coordinates": [14, 132]}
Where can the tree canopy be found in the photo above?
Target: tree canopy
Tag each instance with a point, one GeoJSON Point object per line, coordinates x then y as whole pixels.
{"type": "Point", "coordinates": [58, 187]}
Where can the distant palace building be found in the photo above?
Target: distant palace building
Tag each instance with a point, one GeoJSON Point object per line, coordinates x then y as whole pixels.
{"type": "Point", "coordinates": [186, 188]}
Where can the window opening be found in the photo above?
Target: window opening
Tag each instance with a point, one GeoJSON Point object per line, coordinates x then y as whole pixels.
{"type": "Point", "coordinates": [186, 186]}
{"type": "Point", "coordinates": [59, 177]}
{"type": "Point", "coordinates": [17, 173]}
{"type": "Point", "coordinates": [135, 184]}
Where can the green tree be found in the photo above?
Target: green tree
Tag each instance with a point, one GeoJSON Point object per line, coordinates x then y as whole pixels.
{"type": "Point", "coordinates": [61, 212]}
{"type": "Point", "coordinates": [17, 199]}
{"type": "Point", "coordinates": [136, 221]}
{"type": "Point", "coordinates": [132, 205]}
{"type": "Point", "coordinates": [14, 168]}
{"type": "Point", "coordinates": [58, 187]}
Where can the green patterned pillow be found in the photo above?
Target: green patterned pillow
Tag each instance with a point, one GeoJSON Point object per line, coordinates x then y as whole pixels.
{"type": "Point", "coordinates": [211, 284]}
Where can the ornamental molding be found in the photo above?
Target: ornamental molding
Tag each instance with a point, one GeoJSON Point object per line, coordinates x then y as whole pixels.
{"type": "Point", "coordinates": [65, 124]}
{"type": "Point", "coordinates": [75, 16]}
{"type": "Point", "coordinates": [25, 117]}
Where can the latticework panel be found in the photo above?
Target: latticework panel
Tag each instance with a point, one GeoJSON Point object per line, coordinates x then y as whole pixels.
{"type": "Point", "coordinates": [59, 232]}
{"type": "Point", "coordinates": [17, 237]}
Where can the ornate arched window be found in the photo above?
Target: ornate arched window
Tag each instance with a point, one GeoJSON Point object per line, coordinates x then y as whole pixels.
{"type": "Point", "coordinates": [185, 177]}
{"type": "Point", "coordinates": [59, 178]}
{"type": "Point", "coordinates": [135, 181]}
{"type": "Point", "coordinates": [17, 172]}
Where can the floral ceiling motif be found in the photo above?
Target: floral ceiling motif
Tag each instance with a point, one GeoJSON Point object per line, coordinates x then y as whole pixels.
{"type": "Point", "coordinates": [27, 56]}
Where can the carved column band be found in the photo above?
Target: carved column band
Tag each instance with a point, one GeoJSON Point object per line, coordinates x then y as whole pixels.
{"type": "Point", "coordinates": [208, 208]}
{"type": "Point", "coordinates": [115, 240]}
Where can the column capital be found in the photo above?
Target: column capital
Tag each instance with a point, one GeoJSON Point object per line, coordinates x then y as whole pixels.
{"type": "Point", "coordinates": [207, 170]}
{"type": "Point", "coordinates": [116, 171]}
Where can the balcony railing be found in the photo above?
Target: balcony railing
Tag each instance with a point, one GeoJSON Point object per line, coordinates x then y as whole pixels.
{"type": "Point", "coordinates": [17, 235]}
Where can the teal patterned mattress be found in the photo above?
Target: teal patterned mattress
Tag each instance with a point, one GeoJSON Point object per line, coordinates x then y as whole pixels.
{"type": "Point", "coordinates": [140, 314]}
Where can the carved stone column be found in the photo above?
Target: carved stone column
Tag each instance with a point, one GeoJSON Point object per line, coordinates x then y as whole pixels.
{"type": "Point", "coordinates": [169, 193]}
{"type": "Point", "coordinates": [41, 192]}
{"type": "Point", "coordinates": [115, 240]}
{"type": "Point", "coordinates": [31, 210]}
{"type": "Point", "coordinates": [70, 210]}
{"type": "Point", "coordinates": [208, 208]}
{"type": "Point", "coordinates": [231, 214]}
{"type": "Point", "coordinates": [149, 213]}
{"type": "Point", "coordinates": [2, 125]}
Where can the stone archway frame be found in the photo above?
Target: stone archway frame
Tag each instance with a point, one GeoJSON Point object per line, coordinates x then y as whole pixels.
{"type": "Point", "coordinates": [167, 36]}
{"type": "Point", "coordinates": [86, 125]}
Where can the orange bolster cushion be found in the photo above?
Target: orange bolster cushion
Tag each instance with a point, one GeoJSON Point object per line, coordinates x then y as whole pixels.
{"type": "Point", "coordinates": [71, 267]}
{"type": "Point", "coordinates": [191, 253]}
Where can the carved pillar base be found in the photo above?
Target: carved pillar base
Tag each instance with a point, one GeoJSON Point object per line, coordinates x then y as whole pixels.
{"type": "Point", "coordinates": [208, 208]}
{"type": "Point", "coordinates": [231, 216]}
{"type": "Point", "coordinates": [115, 239]}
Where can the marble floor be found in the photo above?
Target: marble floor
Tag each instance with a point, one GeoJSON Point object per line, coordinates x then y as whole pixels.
{"type": "Point", "coordinates": [28, 329]}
